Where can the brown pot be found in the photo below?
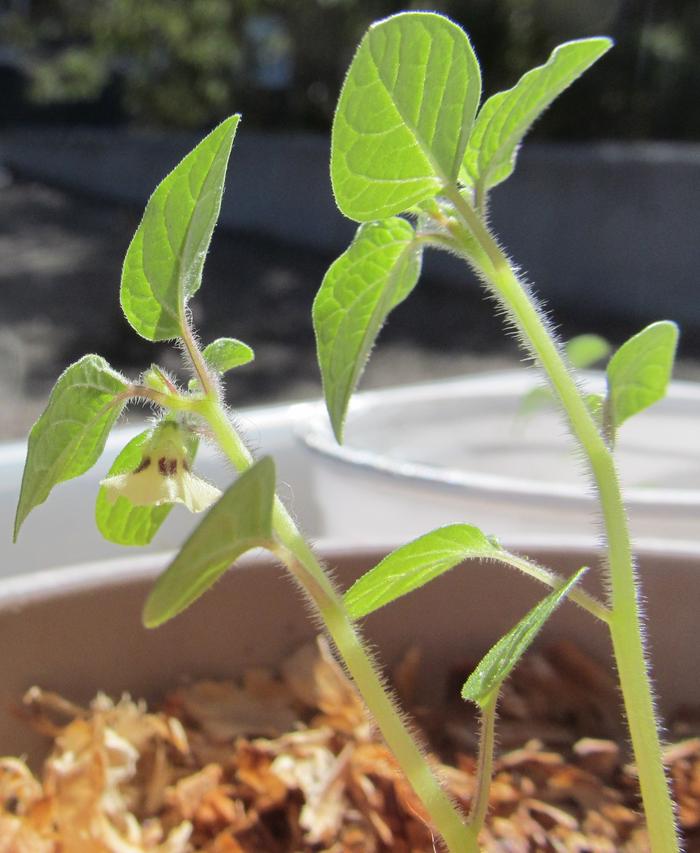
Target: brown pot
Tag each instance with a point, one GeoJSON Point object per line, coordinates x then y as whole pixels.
{"type": "Point", "coordinates": [78, 630]}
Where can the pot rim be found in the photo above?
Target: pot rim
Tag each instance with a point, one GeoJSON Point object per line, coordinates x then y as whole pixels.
{"type": "Point", "coordinates": [47, 584]}
{"type": "Point", "coordinates": [313, 428]}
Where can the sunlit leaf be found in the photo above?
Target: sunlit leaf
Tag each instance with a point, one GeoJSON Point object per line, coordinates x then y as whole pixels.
{"type": "Point", "coordinates": [639, 372]}
{"type": "Point", "coordinates": [163, 265]}
{"type": "Point", "coordinates": [404, 115]}
{"type": "Point", "coordinates": [505, 118]}
{"type": "Point", "coordinates": [70, 435]}
{"type": "Point", "coordinates": [224, 354]}
{"type": "Point", "coordinates": [371, 277]}
{"type": "Point", "coordinates": [416, 563]}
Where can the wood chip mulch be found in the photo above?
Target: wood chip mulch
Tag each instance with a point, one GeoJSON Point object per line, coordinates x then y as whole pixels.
{"type": "Point", "coordinates": [288, 761]}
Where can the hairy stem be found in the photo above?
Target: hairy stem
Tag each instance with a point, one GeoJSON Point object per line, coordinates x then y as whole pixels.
{"type": "Point", "coordinates": [484, 771]}
{"type": "Point", "coordinates": [625, 620]}
{"type": "Point", "coordinates": [200, 367]}
{"type": "Point", "coordinates": [554, 581]}
{"type": "Point", "coordinates": [307, 570]}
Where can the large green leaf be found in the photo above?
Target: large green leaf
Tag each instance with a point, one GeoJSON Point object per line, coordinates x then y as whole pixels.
{"type": "Point", "coordinates": [404, 115]}
{"type": "Point", "coordinates": [416, 563]}
{"type": "Point", "coordinates": [377, 271]}
{"type": "Point", "coordinates": [639, 372]}
{"type": "Point", "coordinates": [506, 117]}
{"type": "Point", "coordinates": [163, 264]}
{"type": "Point", "coordinates": [502, 658]}
{"type": "Point", "coordinates": [121, 521]}
{"type": "Point", "coordinates": [239, 521]}
{"type": "Point", "coordinates": [70, 435]}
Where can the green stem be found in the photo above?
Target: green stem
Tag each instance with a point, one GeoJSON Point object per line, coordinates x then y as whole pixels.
{"type": "Point", "coordinates": [484, 770]}
{"type": "Point", "coordinates": [198, 363]}
{"type": "Point", "coordinates": [307, 570]}
{"type": "Point", "coordinates": [625, 619]}
{"type": "Point", "coordinates": [554, 581]}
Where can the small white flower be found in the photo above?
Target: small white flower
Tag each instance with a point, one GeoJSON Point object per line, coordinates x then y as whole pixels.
{"type": "Point", "coordinates": [163, 476]}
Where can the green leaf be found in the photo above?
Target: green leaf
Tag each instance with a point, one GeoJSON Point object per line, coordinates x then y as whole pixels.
{"type": "Point", "coordinates": [121, 521]}
{"type": "Point", "coordinates": [639, 372]}
{"type": "Point", "coordinates": [506, 117]}
{"type": "Point", "coordinates": [502, 658]}
{"type": "Point", "coordinates": [585, 350]}
{"type": "Point", "coordinates": [224, 354]}
{"type": "Point", "coordinates": [404, 115]}
{"type": "Point", "coordinates": [70, 435]}
{"type": "Point", "coordinates": [239, 521]}
{"type": "Point", "coordinates": [376, 273]}
{"type": "Point", "coordinates": [415, 564]}
{"type": "Point", "coordinates": [163, 264]}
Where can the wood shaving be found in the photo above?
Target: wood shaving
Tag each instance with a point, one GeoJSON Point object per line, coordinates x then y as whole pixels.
{"type": "Point", "coordinates": [290, 762]}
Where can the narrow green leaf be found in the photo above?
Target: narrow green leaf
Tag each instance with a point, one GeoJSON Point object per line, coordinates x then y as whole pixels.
{"type": "Point", "coordinates": [502, 658]}
{"type": "Point", "coordinates": [639, 372]}
{"type": "Point", "coordinates": [404, 115]}
{"type": "Point", "coordinates": [224, 354]}
{"type": "Point", "coordinates": [506, 117]}
{"type": "Point", "coordinates": [415, 564]}
{"type": "Point", "coordinates": [70, 435]}
{"type": "Point", "coordinates": [121, 521]}
{"type": "Point", "coordinates": [585, 350]}
{"type": "Point", "coordinates": [375, 274]}
{"type": "Point", "coordinates": [163, 264]}
{"type": "Point", "coordinates": [239, 521]}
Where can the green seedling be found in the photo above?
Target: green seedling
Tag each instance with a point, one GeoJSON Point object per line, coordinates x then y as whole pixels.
{"type": "Point", "coordinates": [413, 160]}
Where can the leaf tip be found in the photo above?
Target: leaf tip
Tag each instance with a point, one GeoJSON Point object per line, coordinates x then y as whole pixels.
{"type": "Point", "coordinates": [338, 424]}
{"type": "Point", "coordinates": [150, 617]}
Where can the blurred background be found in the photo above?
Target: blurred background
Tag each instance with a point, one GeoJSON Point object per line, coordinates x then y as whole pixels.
{"type": "Point", "coordinates": [100, 98]}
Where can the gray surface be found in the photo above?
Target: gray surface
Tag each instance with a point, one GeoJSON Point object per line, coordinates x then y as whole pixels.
{"type": "Point", "coordinates": [599, 227]}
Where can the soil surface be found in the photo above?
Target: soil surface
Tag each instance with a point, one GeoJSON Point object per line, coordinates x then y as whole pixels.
{"type": "Point", "coordinates": [60, 264]}
{"type": "Point", "coordinates": [289, 761]}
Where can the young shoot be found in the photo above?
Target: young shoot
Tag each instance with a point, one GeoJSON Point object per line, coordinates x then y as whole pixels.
{"type": "Point", "coordinates": [414, 156]}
